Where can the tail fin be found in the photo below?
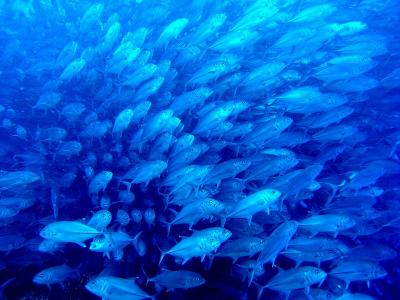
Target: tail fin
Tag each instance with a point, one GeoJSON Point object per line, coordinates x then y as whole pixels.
{"type": "Point", "coordinates": [260, 290]}
{"type": "Point", "coordinates": [162, 257]}
{"type": "Point", "coordinates": [250, 277]}
{"type": "Point", "coordinates": [168, 224]}
{"type": "Point", "coordinates": [136, 238]}
{"type": "Point", "coordinates": [163, 253]}
{"type": "Point", "coordinates": [145, 275]}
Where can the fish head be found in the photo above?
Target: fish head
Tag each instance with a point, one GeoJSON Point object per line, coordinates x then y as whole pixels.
{"type": "Point", "coordinates": [315, 275]}
{"type": "Point", "coordinates": [224, 234]}
{"type": "Point", "coordinates": [98, 244]}
{"type": "Point", "coordinates": [48, 232]}
{"type": "Point", "coordinates": [314, 186]}
{"type": "Point", "coordinates": [270, 194]}
{"type": "Point", "coordinates": [6, 212]}
{"type": "Point", "coordinates": [195, 280]}
{"type": "Point", "coordinates": [32, 177]}
{"type": "Point", "coordinates": [107, 175]}
{"type": "Point", "coordinates": [136, 215]}
{"type": "Point", "coordinates": [104, 216]}
{"type": "Point", "coordinates": [389, 253]}
{"type": "Point", "coordinates": [141, 248]}
{"type": "Point", "coordinates": [292, 227]}
{"type": "Point", "coordinates": [321, 294]}
{"type": "Point", "coordinates": [203, 193]}
{"type": "Point", "coordinates": [378, 271]}
{"type": "Point", "coordinates": [216, 206]}
{"type": "Point", "coordinates": [105, 202]}
{"type": "Point", "coordinates": [241, 164]}
{"type": "Point", "coordinates": [160, 167]}
{"type": "Point", "coordinates": [217, 20]}
{"type": "Point", "coordinates": [42, 277]}
{"type": "Point", "coordinates": [97, 286]}
{"type": "Point", "coordinates": [346, 222]}
{"type": "Point", "coordinates": [149, 215]}
{"type": "Point", "coordinates": [47, 246]}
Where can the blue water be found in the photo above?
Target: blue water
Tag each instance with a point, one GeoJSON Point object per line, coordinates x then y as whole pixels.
{"type": "Point", "coordinates": [248, 133]}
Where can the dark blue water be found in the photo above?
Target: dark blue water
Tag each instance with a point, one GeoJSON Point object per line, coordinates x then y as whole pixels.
{"type": "Point", "coordinates": [226, 133]}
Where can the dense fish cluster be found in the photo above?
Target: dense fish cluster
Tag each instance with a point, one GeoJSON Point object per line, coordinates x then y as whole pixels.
{"type": "Point", "coordinates": [199, 149]}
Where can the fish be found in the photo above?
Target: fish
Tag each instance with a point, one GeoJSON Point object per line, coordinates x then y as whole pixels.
{"type": "Point", "coordinates": [112, 241]}
{"type": "Point", "coordinates": [199, 244]}
{"type": "Point", "coordinates": [193, 212]}
{"type": "Point", "coordinates": [358, 270]}
{"type": "Point", "coordinates": [72, 70]}
{"type": "Point", "coordinates": [297, 278]}
{"type": "Point", "coordinates": [246, 246]}
{"type": "Point", "coordinates": [100, 220]}
{"type": "Point", "coordinates": [277, 241]}
{"type": "Point", "coordinates": [122, 122]}
{"type": "Point", "coordinates": [256, 202]}
{"type": "Point", "coordinates": [56, 274]}
{"type": "Point", "coordinates": [10, 179]}
{"type": "Point", "coordinates": [171, 31]}
{"type": "Point", "coordinates": [171, 280]}
{"type": "Point", "coordinates": [327, 223]}
{"type": "Point", "coordinates": [69, 231]}
{"type": "Point", "coordinates": [112, 287]}
{"type": "Point", "coordinates": [144, 172]}
{"type": "Point", "coordinates": [99, 182]}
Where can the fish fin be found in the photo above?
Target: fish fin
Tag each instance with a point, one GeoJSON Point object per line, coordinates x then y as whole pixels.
{"type": "Point", "coordinates": [223, 221]}
{"type": "Point", "coordinates": [136, 238]}
{"type": "Point", "coordinates": [185, 260]}
{"type": "Point", "coordinates": [173, 210]}
{"type": "Point", "coordinates": [307, 290]}
{"type": "Point", "coordinates": [148, 279]}
{"type": "Point", "coordinates": [347, 285]}
{"type": "Point", "coordinates": [249, 220]}
{"type": "Point", "coordinates": [260, 290]}
{"type": "Point", "coordinates": [321, 282]}
{"type": "Point", "coordinates": [210, 262]}
{"type": "Point", "coordinates": [162, 257]}
{"type": "Point", "coordinates": [288, 295]}
{"type": "Point", "coordinates": [82, 244]}
{"type": "Point", "coordinates": [250, 277]}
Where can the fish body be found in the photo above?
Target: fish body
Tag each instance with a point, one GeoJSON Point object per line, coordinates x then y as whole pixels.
{"type": "Point", "coordinates": [68, 231]}
{"type": "Point", "coordinates": [56, 274]}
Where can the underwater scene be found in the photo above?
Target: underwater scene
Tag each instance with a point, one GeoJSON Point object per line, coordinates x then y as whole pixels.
{"type": "Point", "coordinates": [200, 149]}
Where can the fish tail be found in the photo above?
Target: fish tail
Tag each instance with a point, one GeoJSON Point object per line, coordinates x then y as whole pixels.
{"type": "Point", "coordinates": [136, 238]}
{"type": "Point", "coordinates": [161, 257]}
{"type": "Point", "coordinates": [148, 279]}
{"type": "Point", "coordinates": [168, 224]}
